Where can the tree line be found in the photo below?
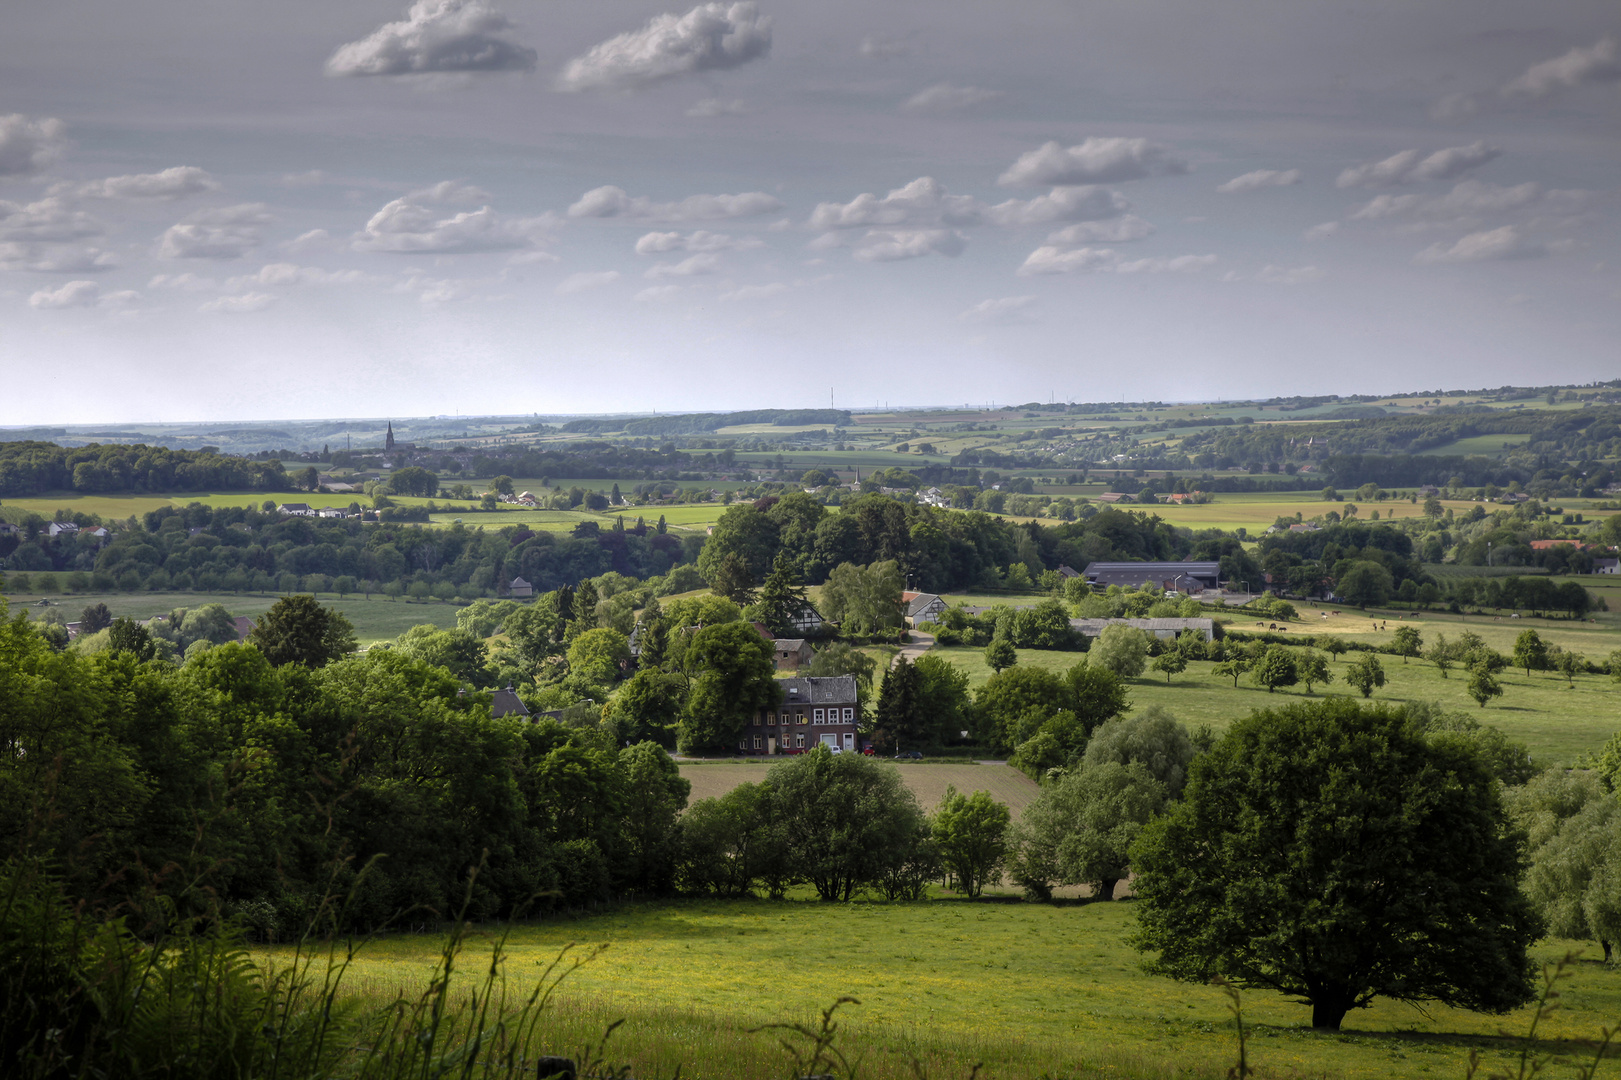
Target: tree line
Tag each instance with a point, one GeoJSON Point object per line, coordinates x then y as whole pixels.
{"type": "Point", "coordinates": [33, 468]}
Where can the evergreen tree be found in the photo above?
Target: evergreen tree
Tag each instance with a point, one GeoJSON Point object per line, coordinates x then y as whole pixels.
{"type": "Point", "coordinates": [781, 598]}
{"type": "Point", "coordinates": [585, 611]}
{"type": "Point", "coordinates": [898, 723]}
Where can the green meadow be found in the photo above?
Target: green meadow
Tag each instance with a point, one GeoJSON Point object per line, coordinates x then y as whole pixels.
{"type": "Point", "coordinates": [1022, 990]}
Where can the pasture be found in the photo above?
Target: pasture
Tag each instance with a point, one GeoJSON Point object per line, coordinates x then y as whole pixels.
{"type": "Point", "coordinates": [927, 780]}
{"type": "Point", "coordinates": [1028, 990]}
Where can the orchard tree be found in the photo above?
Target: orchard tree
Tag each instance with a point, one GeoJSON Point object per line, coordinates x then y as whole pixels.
{"type": "Point", "coordinates": [1329, 851]}
{"type": "Point", "coordinates": [1530, 651]}
{"type": "Point", "coordinates": [1000, 654]}
{"type": "Point", "coordinates": [1483, 686]}
{"type": "Point", "coordinates": [1407, 642]}
{"type": "Point", "coordinates": [1366, 674]}
{"type": "Point", "coordinates": [1121, 649]}
{"type": "Point", "coordinates": [1171, 663]}
{"type": "Point", "coordinates": [1274, 668]}
{"type": "Point", "coordinates": [1234, 669]}
{"type": "Point", "coordinates": [1313, 669]}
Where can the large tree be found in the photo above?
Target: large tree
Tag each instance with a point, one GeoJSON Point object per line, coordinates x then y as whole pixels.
{"type": "Point", "coordinates": [865, 599]}
{"type": "Point", "coordinates": [732, 676]}
{"type": "Point", "coordinates": [971, 833]}
{"type": "Point", "coordinates": [1330, 851]}
{"type": "Point", "coordinates": [297, 630]}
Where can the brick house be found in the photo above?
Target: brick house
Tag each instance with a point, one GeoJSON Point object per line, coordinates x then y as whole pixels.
{"type": "Point", "coordinates": [791, 653]}
{"type": "Point", "coordinates": [812, 712]}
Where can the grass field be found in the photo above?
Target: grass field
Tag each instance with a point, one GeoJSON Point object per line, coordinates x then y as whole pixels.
{"type": "Point", "coordinates": [377, 619]}
{"type": "Point", "coordinates": [1027, 990]}
{"type": "Point", "coordinates": [928, 781]}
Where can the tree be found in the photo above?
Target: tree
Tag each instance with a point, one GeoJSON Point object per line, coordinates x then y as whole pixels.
{"type": "Point", "coordinates": [1079, 831]}
{"type": "Point", "coordinates": [1154, 738]}
{"type": "Point", "coordinates": [1366, 583]}
{"type": "Point", "coordinates": [1000, 654]}
{"type": "Point", "coordinates": [1015, 702]}
{"type": "Point", "coordinates": [781, 598]}
{"type": "Point", "coordinates": [1530, 651]}
{"type": "Point", "coordinates": [95, 618]}
{"type": "Point", "coordinates": [597, 656]}
{"type": "Point", "coordinates": [127, 635]}
{"type": "Point", "coordinates": [865, 599]}
{"type": "Point", "coordinates": [736, 678]}
{"type": "Point", "coordinates": [731, 578]}
{"type": "Point", "coordinates": [1171, 663]}
{"type": "Point", "coordinates": [457, 651]}
{"type": "Point", "coordinates": [1568, 663]}
{"type": "Point", "coordinates": [1366, 674]}
{"type": "Point", "coordinates": [1483, 686]}
{"type": "Point", "coordinates": [297, 630]}
{"type": "Point", "coordinates": [943, 700]}
{"type": "Point", "coordinates": [899, 720]}
{"type": "Point", "coordinates": [1121, 649]}
{"type": "Point", "coordinates": [1274, 668]}
{"type": "Point", "coordinates": [1313, 669]}
{"type": "Point", "coordinates": [842, 658]}
{"type": "Point", "coordinates": [649, 706]}
{"type": "Point", "coordinates": [732, 843]}
{"type": "Point", "coordinates": [970, 833]}
{"type": "Point", "coordinates": [1574, 826]}
{"type": "Point", "coordinates": [501, 485]}
{"type": "Point", "coordinates": [1335, 647]}
{"type": "Point", "coordinates": [1233, 669]}
{"type": "Point", "coordinates": [655, 793]}
{"type": "Point", "coordinates": [1407, 642]}
{"type": "Point", "coordinates": [1330, 851]}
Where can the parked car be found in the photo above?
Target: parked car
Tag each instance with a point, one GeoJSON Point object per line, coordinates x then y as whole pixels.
{"type": "Point", "coordinates": [909, 755]}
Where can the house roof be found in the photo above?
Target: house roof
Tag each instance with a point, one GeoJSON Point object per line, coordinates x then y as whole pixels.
{"type": "Point", "coordinates": [793, 644]}
{"type": "Point", "coordinates": [507, 703]}
{"type": "Point", "coordinates": [918, 603]}
{"type": "Point", "coordinates": [520, 583]}
{"type": "Point", "coordinates": [1136, 573]}
{"type": "Point", "coordinates": [818, 690]}
{"type": "Point", "coordinates": [244, 627]}
{"type": "Point", "coordinates": [1094, 627]}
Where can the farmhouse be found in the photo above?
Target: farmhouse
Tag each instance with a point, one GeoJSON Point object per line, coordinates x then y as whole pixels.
{"type": "Point", "coordinates": [295, 510]}
{"type": "Point", "coordinates": [807, 621]}
{"type": "Point", "coordinates": [58, 528]}
{"type": "Point", "coordinates": [520, 589]}
{"type": "Point", "coordinates": [1160, 628]}
{"type": "Point", "coordinates": [922, 607]}
{"type": "Point", "coordinates": [791, 653]}
{"type": "Point", "coordinates": [812, 712]}
{"type": "Point", "coordinates": [1178, 576]}
{"type": "Point", "coordinates": [1607, 566]}
{"type": "Point", "coordinates": [507, 703]}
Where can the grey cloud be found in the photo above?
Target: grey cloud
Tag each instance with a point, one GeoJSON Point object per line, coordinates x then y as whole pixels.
{"type": "Point", "coordinates": [1412, 165]}
{"type": "Point", "coordinates": [436, 36]}
{"type": "Point", "coordinates": [689, 267]}
{"type": "Point", "coordinates": [73, 294]}
{"type": "Point", "coordinates": [945, 98]}
{"type": "Point", "coordinates": [1095, 161]}
{"type": "Point", "coordinates": [451, 191]}
{"type": "Point", "coordinates": [710, 37]}
{"type": "Point", "coordinates": [1004, 310]}
{"type": "Point", "coordinates": [172, 183]}
{"type": "Point", "coordinates": [226, 233]}
{"type": "Point", "coordinates": [588, 279]}
{"type": "Point", "coordinates": [54, 258]}
{"type": "Point", "coordinates": [1260, 178]}
{"type": "Point", "coordinates": [658, 243]}
{"type": "Point", "coordinates": [1322, 232]}
{"type": "Point", "coordinates": [1453, 107]}
{"type": "Point", "coordinates": [880, 48]}
{"type": "Point", "coordinates": [47, 219]}
{"type": "Point", "coordinates": [187, 281]}
{"type": "Point", "coordinates": [893, 245]}
{"type": "Point", "coordinates": [1490, 245]}
{"type": "Point", "coordinates": [612, 202]}
{"type": "Point", "coordinates": [27, 146]}
{"type": "Point", "coordinates": [709, 108]}
{"type": "Point", "coordinates": [409, 228]}
{"type": "Point", "coordinates": [1596, 63]}
{"type": "Point", "coordinates": [1120, 231]}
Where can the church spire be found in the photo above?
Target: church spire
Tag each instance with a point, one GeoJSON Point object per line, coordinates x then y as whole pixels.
{"type": "Point", "coordinates": [388, 440]}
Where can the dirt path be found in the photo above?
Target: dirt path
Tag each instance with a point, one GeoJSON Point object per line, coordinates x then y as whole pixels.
{"type": "Point", "coordinates": [920, 644]}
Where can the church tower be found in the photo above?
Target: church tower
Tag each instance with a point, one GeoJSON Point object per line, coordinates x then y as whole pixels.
{"type": "Point", "coordinates": [388, 440]}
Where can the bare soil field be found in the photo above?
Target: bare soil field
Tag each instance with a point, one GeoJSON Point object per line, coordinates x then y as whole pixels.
{"type": "Point", "coordinates": [926, 780]}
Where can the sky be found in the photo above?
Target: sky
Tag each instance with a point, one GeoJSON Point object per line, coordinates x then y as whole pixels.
{"type": "Point", "coordinates": [212, 209]}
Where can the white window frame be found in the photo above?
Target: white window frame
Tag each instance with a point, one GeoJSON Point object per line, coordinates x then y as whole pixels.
{"type": "Point", "coordinates": [816, 716]}
{"type": "Point", "coordinates": [849, 713]}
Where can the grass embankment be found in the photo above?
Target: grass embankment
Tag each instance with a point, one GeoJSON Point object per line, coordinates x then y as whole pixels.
{"type": "Point", "coordinates": [927, 780]}
{"type": "Point", "coordinates": [1028, 990]}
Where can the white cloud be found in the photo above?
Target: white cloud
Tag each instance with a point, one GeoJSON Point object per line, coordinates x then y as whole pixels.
{"type": "Point", "coordinates": [893, 245]}
{"type": "Point", "coordinates": [273, 274]}
{"type": "Point", "coordinates": [1323, 231]}
{"type": "Point", "coordinates": [239, 305]}
{"type": "Point", "coordinates": [1453, 107]}
{"type": "Point", "coordinates": [1470, 199]}
{"type": "Point", "coordinates": [924, 201]}
{"type": "Point", "coordinates": [406, 227]}
{"type": "Point", "coordinates": [657, 294]}
{"type": "Point", "coordinates": [755, 292]}
{"type": "Point", "coordinates": [226, 233]}
{"type": "Point", "coordinates": [188, 282]}
{"type": "Point", "coordinates": [1085, 203]}
{"type": "Point", "coordinates": [70, 295]}
{"type": "Point", "coordinates": [27, 146]}
{"type": "Point", "coordinates": [454, 192]}
{"type": "Point", "coordinates": [1005, 310]}
{"type": "Point", "coordinates": [612, 202]}
{"type": "Point", "coordinates": [1289, 275]}
{"type": "Point", "coordinates": [314, 240]}
{"type": "Point", "coordinates": [171, 183]}
{"type": "Point", "coordinates": [1050, 259]}
{"type": "Point", "coordinates": [1260, 178]}
{"type": "Point", "coordinates": [54, 258]}
{"type": "Point", "coordinates": [49, 219]}
{"type": "Point", "coordinates": [1596, 63]}
{"type": "Point", "coordinates": [586, 279]}
{"type": "Point", "coordinates": [659, 243]}
{"type": "Point", "coordinates": [1490, 245]}
{"type": "Point", "coordinates": [710, 37]}
{"type": "Point", "coordinates": [945, 98]}
{"type": "Point", "coordinates": [1410, 165]}
{"type": "Point", "coordinates": [1119, 231]}
{"type": "Point", "coordinates": [712, 107]}
{"type": "Point", "coordinates": [1095, 161]}
{"type": "Point", "coordinates": [690, 267]}
{"type": "Point", "coordinates": [436, 36]}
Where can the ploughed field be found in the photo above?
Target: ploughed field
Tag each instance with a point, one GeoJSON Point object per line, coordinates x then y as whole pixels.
{"type": "Point", "coordinates": [1028, 990]}
{"type": "Point", "coordinates": [927, 780]}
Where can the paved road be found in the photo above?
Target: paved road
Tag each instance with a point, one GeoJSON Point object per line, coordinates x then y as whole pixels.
{"type": "Point", "coordinates": [920, 644]}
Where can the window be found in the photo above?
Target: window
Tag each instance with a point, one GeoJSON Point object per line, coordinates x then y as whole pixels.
{"type": "Point", "coordinates": [799, 718]}
{"type": "Point", "coordinates": [770, 718]}
{"type": "Point", "coordinates": [800, 740]}
{"type": "Point", "coordinates": [849, 714]}
{"type": "Point", "coordinates": [742, 744]}
{"type": "Point", "coordinates": [818, 716]}
{"type": "Point", "coordinates": [757, 742]}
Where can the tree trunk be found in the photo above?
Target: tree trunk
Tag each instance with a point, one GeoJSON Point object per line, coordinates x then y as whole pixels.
{"type": "Point", "coordinates": [1606, 945]}
{"type": "Point", "coordinates": [1328, 1010]}
{"type": "Point", "coordinates": [1105, 889]}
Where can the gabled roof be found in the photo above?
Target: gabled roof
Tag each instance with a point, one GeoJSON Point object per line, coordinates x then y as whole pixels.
{"type": "Point", "coordinates": [788, 644]}
{"type": "Point", "coordinates": [507, 703]}
{"type": "Point", "coordinates": [818, 690]}
{"type": "Point", "coordinates": [918, 603]}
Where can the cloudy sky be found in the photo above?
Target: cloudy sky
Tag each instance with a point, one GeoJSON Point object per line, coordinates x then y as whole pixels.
{"type": "Point", "coordinates": [216, 209]}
